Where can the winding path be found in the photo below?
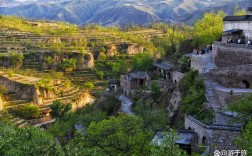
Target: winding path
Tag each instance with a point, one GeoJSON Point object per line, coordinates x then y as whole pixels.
{"type": "Point", "coordinates": [126, 104]}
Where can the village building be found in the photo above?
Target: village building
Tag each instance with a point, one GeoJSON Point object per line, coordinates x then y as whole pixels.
{"type": "Point", "coordinates": [238, 27]}
{"type": "Point", "coordinates": [134, 80]}
{"type": "Point", "coordinates": [226, 74]}
{"type": "Point", "coordinates": [164, 69]}
{"type": "Point", "coordinates": [113, 86]}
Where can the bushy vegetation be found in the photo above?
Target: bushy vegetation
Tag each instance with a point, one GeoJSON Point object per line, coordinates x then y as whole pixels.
{"type": "Point", "coordinates": [193, 97]}
{"type": "Point", "coordinates": [58, 109]}
{"type": "Point", "coordinates": [28, 111]}
{"type": "Point", "coordinates": [16, 59]}
{"type": "Point", "coordinates": [67, 64]}
{"type": "Point", "coordinates": [26, 141]}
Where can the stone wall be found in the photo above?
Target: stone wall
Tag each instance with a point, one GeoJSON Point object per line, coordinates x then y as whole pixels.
{"type": "Point", "coordinates": [223, 138]}
{"type": "Point", "coordinates": [234, 77]}
{"type": "Point", "coordinates": [229, 54]}
{"type": "Point", "coordinates": [198, 127]}
{"type": "Point", "coordinates": [23, 91]}
{"type": "Point", "coordinates": [196, 64]}
{"type": "Point", "coordinates": [177, 77]}
{"type": "Point", "coordinates": [218, 137]}
{"type": "Point", "coordinates": [225, 98]}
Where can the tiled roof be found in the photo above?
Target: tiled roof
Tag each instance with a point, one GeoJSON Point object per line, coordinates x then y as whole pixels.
{"type": "Point", "coordinates": [138, 75]}
{"type": "Point", "coordinates": [163, 65]}
{"type": "Point", "coordinates": [238, 18]}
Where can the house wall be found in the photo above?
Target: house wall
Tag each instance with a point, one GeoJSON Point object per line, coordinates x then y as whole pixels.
{"type": "Point", "coordinates": [177, 77]}
{"type": "Point", "coordinates": [246, 26]}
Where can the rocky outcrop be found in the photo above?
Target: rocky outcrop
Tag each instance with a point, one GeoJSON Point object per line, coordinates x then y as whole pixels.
{"type": "Point", "coordinates": [81, 100]}
{"type": "Point", "coordinates": [83, 61]}
{"type": "Point", "coordinates": [134, 49]}
{"type": "Point", "coordinates": [173, 107]}
{"type": "Point", "coordinates": [1, 104]}
{"type": "Point", "coordinates": [112, 50]}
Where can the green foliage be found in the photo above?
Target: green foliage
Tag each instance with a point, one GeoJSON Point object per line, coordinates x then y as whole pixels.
{"type": "Point", "coordinates": [28, 111]}
{"type": "Point", "coordinates": [243, 106]}
{"type": "Point", "coordinates": [155, 90]}
{"type": "Point", "coordinates": [67, 64]}
{"type": "Point", "coordinates": [45, 83]}
{"type": "Point", "coordinates": [100, 74]}
{"type": "Point", "coordinates": [16, 59]}
{"type": "Point", "coordinates": [58, 109]}
{"type": "Point", "coordinates": [168, 146]}
{"type": "Point", "coordinates": [63, 127]}
{"type": "Point", "coordinates": [102, 56]}
{"type": "Point", "coordinates": [110, 104]}
{"type": "Point", "coordinates": [26, 141]}
{"type": "Point", "coordinates": [209, 28]}
{"type": "Point", "coordinates": [239, 12]}
{"type": "Point", "coordinates": [120, 67]}
{"type": "Point", "coordinates": [49, 61]}
{"type": "Point", "coordinates": [11, 73]}
{"type": "Point", "coordinates": [245, 140]}
{"type": "Point", "coordinates": [193, 93]}
{"type": "Point", "coordinates": [3, 89]}
{"type": "Point", "coordinates": [89, 85]}
{"type": "Point", "coordinates": [120, 135]}
{"type": "Point", "coordinates": [154, 118]}
{"type": "Point", "coordinates": [142, 62]}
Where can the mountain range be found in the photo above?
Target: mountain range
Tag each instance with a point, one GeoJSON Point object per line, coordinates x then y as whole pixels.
{"type": "Point", "coordinates": [118, 12]}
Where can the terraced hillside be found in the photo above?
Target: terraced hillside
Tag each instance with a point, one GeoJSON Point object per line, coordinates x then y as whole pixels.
{"type": "Point", "coordinates": [43, 61]}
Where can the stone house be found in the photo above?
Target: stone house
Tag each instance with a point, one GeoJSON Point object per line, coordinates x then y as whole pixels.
{"type": "Point", "coordinates": [134, 80]}
{"type": "Point", "coordinates": [236, 27]}
{"type": "Point", "coordinates": [164, 69]}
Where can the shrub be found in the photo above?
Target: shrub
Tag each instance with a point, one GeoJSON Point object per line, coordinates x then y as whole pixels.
{"type": "Point", "coordinates": [49, 60]}
{"type": "Point", "coordinates": [16, 59]}
{"type": "Point", "coordinates": [89, 85]}
{"type": "Point", "coordinates": [29, 111]}
{"type": "Point", "coordinates": [67, 64]}
{"type": "Point", "coordinates": [59, 109]}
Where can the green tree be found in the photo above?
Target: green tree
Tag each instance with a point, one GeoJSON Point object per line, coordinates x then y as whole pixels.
{"type": "Point", "coordinates": [67, 64]}
{"type": "Point", "coordinates": [49, 61]}
{"type": "Point", "coordinates": [89, 85]}
{"type": "Point", "coordinates": [26, 141]}
{"type": "Point", "coordinates": [243, 106]}
{"type": "Point", "coordinates": [16, 59]}
{"type": "Point", "coordinates": [59, 109]}
{"type": "Point", "coordinates": [209, 28]}
{"type": "Point", "coordinates": [119, 68]}
{"type": "Point", "coordinates": [26, 111]}
{"type": "Point", "coordinates": [155, 90]}
{"type": "Point", "coordinates": [153, 118]}
{"type": "Point", "coordinates": [245, 140]}
{"type": "Point", "coordinates": [239, 12]}
{"type": "Point", "coordinates": [119, 135]}
{"type": "Point", "coordinates": [167, 146]}
{"type": "Point", "coordinates": [142, 62]}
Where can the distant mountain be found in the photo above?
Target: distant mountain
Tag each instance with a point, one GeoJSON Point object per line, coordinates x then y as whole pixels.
{"type": "Point", "coordinates": [118, 12]}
